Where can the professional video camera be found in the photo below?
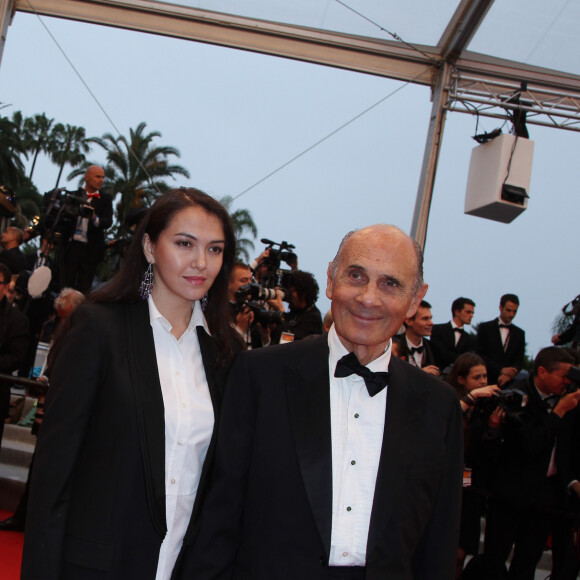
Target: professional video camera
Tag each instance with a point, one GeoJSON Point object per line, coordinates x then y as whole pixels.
{"type": "Point", "coordinates": [61, 210]}
{"type": "Point", "coordinates": [248, 296]}
{"type": "Point", "coordinates": [269, 273]}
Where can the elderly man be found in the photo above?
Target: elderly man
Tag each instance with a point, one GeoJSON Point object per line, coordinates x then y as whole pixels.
{"type": "Point", "coordinates": [85, 249]}
{"type": "Point", "coordinates": [322, 472]}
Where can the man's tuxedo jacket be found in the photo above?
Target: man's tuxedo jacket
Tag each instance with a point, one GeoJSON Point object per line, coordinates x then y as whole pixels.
{"type": "Point", "coordinates": [269, 511]}
{"type": "Point", "coordinates": [490, 347]}
{"type": "Point", "coordinates": [428, 355]}
{"type": "Point", "coordinates": [443, 342]}
{"type": "Point", "coordinates": [97, 500]}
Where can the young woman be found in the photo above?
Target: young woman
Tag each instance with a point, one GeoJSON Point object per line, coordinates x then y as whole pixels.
{"type": "Point", "coordinates": [469, 377]}
{"type": "Point", "coordinates": [136, 384]}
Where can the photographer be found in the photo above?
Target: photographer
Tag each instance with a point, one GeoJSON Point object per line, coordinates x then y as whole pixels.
{"type": "Point", "coordinates": [303, 318]}
{"type": "Point", "coordinates": [527, 483]}
{"type": "Point", "coordinates": [78, 222]}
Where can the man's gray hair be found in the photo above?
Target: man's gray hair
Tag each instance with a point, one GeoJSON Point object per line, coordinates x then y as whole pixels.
{"type": "Point", "coordinates": [418, 282]}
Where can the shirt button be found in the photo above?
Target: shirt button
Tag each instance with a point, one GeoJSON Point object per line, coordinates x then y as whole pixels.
{"type": "Point", "coordinates": [348, 508]}
{"type": "Point", "coordinates": [353, 462]}
{"type": "Point", "coordinates": [344, 554]}
{"type": "Point", "coordinates": [173, 481]}
{"type": "Point", "coordinates": [180, 442]}
{"type": "Point", "coordinates": [356, 415]}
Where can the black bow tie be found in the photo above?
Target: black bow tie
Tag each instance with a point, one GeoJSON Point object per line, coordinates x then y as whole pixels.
{"type": "Point", "coordinates": [415, 349]}
{"type": "Point", "coordinates": [349, 365]}
{"type": "Point", "coordinates": [505, 326]}
{"type": "Point", "coordinates": [460, 330]}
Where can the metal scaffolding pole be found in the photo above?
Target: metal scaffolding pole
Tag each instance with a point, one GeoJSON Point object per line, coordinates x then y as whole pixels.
{"type": "Point", "coordinates": [430, 158]}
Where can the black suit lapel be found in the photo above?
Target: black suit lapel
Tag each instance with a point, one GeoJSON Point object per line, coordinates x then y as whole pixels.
{"type": "Point", "coordinates": [308, 395]}
{"type": "Point", "coordinates": [405, 409]}
{"type": "Point", "coordinates": [150, 408]}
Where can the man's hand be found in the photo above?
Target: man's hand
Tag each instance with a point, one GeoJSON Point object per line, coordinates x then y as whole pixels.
{"type": "Point", "coordinates": [496, 418]}
{"type": "Point", "coordinates": [506, 375]}
{"type": "Point", "coordinates": [432, 370]}
{"type": "Point", "coordinates": [567, 403]}
{"type": "Point", "coordinates": [244, 319]}
{"type": "Point", "coordinates": [276, 303]}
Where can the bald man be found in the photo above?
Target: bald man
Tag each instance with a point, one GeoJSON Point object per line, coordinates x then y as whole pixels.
{"type": "Point", "coordinates": [334, 459]}
{"type": "Point", "coordinates": [84, 250]}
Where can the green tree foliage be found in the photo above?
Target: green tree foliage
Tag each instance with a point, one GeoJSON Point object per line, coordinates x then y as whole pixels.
{"type": "Point", "coordinates": [137, 168]}
{"type": "Point", "coordinates": [243, 225]}
{"type": "Point", "coordinates": [12, 151]}
{"type": "Point", "coordinates": [69, 146]}
{"type": "Point", "coordinates": [37, 137]}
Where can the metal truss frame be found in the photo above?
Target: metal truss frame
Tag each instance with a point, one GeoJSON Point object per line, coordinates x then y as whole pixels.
{"type": "Point", "coordinates": [460, 81]}
{"type": "Point", "coordinates": [492, 97]}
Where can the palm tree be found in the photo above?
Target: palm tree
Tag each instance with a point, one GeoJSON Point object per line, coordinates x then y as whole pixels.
{"type": "Point", "coordinates": [69, 145]}
{"type": "Point", "coordinates": [136, 168]}
{"type": "Point", "coordinates": [37, 137]}
{"type": "Point", "coordinates": [243, 224]}
{"type": "Point", "coordinates": [11, 152]}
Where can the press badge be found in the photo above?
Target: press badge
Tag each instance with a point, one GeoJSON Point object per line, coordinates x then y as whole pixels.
{"type": "Point", "coordinates": [286, 337]}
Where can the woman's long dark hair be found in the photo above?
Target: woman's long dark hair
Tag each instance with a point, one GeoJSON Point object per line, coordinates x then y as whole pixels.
{"type": "Point", "coordinates": [124, 286]}
{"type": "Point", "coordinates": [461, 367]}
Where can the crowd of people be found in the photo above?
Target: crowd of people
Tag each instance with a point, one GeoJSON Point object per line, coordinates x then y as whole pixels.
{"type": "Point", "coordinates": [205, 422]}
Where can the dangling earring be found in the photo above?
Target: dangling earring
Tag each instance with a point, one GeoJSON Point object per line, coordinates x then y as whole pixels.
{"type": "Point", "coordinates": [204, 302]}
{"type": "Point", "coordinates": [147, 283]}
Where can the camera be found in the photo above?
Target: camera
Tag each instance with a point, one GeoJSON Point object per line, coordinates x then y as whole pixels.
{"type": "Point", "coordinates": [268, 273]}
{"type": "Point", "coordinates": [509, 400]}
{"type": "Point", "coordinates": [61, 210]}
{"type": "Point", "coordinates": [247, 297]}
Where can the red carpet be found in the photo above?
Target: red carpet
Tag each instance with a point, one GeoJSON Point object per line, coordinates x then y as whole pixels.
{"type": "Point", "coordinates": [10, 552]}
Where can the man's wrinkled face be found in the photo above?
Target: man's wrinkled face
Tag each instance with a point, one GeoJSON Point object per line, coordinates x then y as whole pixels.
{"type": "Point", "coordinates": [372, 288]}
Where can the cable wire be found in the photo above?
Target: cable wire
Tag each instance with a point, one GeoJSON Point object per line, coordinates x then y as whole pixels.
{"type": "Point", "coordinates": [328, 136]}
{"type": "Point", "coordinates": [92, 94]}
{"type": "Point", "coordinates": [393, 34]}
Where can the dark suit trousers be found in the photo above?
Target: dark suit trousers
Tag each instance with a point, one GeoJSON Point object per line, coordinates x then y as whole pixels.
{"type": "Point", "coordinates": [79, 271]}
{"type": "Point", "coordinates": [527, 528]}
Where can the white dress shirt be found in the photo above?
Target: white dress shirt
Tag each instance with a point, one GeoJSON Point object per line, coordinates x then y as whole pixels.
{"type": "Point", "coordinates": [189, 421]}
{"type": "Point", "coordinates": [357, 422]}
{"type": "Point", "coordinates": [415, 358]}
{"type": "Point", "coordinates": [457, 334]}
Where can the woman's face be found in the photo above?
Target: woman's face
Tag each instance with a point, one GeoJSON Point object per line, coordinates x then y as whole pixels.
{"type": "Point", "coordinates": [187, 256]}
{"type": "Point", "coordinates": [475, 379]}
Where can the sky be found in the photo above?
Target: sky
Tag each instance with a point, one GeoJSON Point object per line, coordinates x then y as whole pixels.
{"type": "Point", "coordinates": [237, 116]}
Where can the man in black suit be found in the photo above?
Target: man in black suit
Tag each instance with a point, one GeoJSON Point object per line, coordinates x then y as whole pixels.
{"type": "Point", "coordinates": [450, 339]}
{"type": "Point", "coordinates": [13, 342]}
{"type": "Point", "coordinates": [320, 471]}
{"type": "Point", "coordinates": [414, 347]}
{"type": "Point", "coordinates": [12, 256]}
{"type": "Point", "coordinates": [501, 343]}
{"type": "Point", "coordinates": [85, 249]}
{"type": "Point", "coordinates": [529, 479]}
